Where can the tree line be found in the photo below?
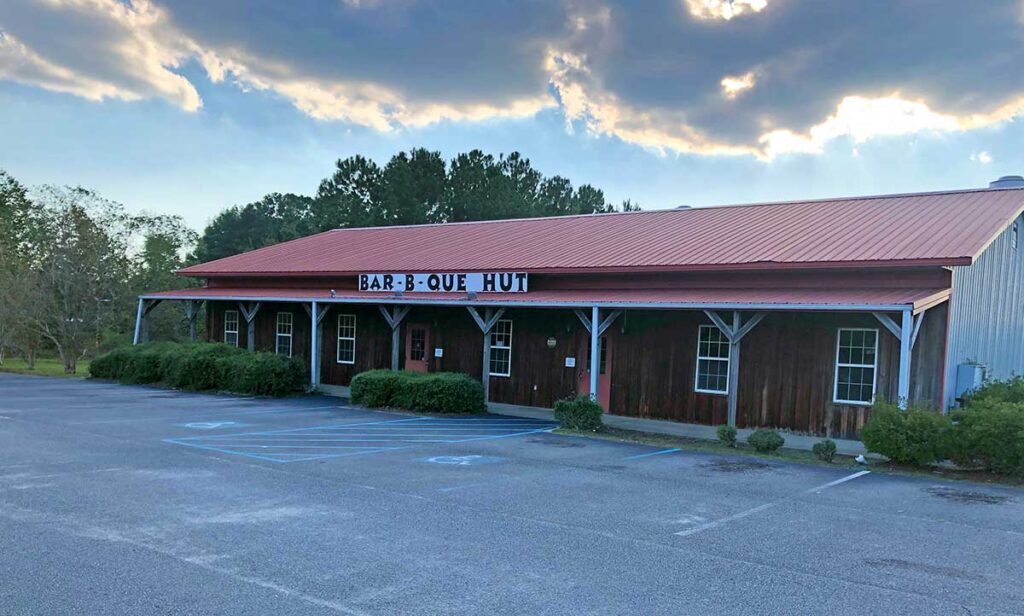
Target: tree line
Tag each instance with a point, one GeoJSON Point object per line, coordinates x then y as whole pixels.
{"type": "Point", "coordinates": [414, 187]}
{"type": "Point", "coordinates": [73, 263]}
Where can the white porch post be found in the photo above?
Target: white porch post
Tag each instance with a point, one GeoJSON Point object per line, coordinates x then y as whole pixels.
{"type": "Point", "coordinates": [192, 311]}
{"type": "Point", "coordinates": [314, 351]}
{"type": "Point", "coordinates": [906, 348]}
{"type": "Point", "coordinates": [734, 367]}
{"type": "Point", "coordinates": [486, 324]}
{"type": "Point", "coordinates": [595, 350]}
{"type": "Point", "coordinates": [485, 374]}
{"type": "Point", "coordinates": [138, 321]}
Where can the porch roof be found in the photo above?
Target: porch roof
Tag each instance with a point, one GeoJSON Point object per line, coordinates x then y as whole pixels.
{"type": "Point", "coordinates": [875, 299]}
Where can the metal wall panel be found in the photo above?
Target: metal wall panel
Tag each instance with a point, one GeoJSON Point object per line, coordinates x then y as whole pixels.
{"type": "Point", "coordinates": [986, 321]}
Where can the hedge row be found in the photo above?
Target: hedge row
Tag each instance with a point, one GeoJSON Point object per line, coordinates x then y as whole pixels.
{"type": "Point", "coordinates": [435, 392]}
{"type": "Point", "coordinates": [987, 433]}
{"type": "Point", "coordinates": [202, 366]}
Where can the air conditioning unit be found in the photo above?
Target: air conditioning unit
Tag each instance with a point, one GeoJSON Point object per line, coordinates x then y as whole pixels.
{"type": "Point", "coordinates": [968, 378]}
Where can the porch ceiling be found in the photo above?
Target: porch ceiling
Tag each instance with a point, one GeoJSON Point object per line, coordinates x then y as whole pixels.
{"type": "Point", "coordinates": [876, 299]}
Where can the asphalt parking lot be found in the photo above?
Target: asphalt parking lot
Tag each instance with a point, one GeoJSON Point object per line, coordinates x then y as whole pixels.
{"type": "Point", "coordinates": [133, 500]}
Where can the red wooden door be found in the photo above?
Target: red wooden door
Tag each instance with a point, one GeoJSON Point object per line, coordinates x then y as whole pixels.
{"type": "Point", "coordinates": [604, 374]}
{"type": "Point", "coordinates": [417, 338]}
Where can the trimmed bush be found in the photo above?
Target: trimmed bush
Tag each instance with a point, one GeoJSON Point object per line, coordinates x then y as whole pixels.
{"type": "Point", "coordinates": [435, 392]}
{"type": "Point", "coordinates": [825, 450]}
{"type": "Point", "coordinates": [202, 366]}
{"type": "Point", "coordinates": [580, 413]}
{"type": "Point", "coordinates": [1010, 390]}
{"type": "Point", "coordinates": [766, 441]}
{"type": "Point", "coordinates": [915, 436]}
{"type": "Point", "coordinates": [727, 435]}
{"type": "Point", "coordinates": [989, 433]}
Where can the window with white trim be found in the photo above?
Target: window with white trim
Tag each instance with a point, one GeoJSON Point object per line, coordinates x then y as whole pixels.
{"type": "Point", "coordinates": [712, 361]}
{"type": "Point", "coordinates": [856, 365]}
{"type": "Point", "coordinates": [501, 348]}
{"type": "Point", "coordinates": [284, 334]}
{"type": "Point", "coordinates": [231, 327]}
{"type": "Point", "coordinates": [346, 338]}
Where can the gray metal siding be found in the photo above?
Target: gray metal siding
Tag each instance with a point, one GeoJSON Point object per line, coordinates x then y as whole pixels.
{"type": "Point", "coordinates": [986, 319]}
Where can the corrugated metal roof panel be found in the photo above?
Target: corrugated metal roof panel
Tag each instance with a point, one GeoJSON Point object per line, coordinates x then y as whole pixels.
{"type": "Point", "coordinates": [949, 228]}
{"type": "Point", "coordinates": [778, 298]}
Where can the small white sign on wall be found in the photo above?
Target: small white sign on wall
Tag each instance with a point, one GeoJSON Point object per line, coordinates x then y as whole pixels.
{"type": "Point", "coordinates": [438, 352]}
{"type": "Point", "coordinates": [570, 362]}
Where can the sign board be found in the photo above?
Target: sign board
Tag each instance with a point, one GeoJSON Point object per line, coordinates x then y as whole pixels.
{"type": "Point", "coordinates": [490, 282]}
{"type": "Point", "coordinates": [570, 362]}
{"type": "Point", "coordinates": [438, 352]}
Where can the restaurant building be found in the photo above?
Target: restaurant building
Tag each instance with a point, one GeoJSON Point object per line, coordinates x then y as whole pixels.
{"type": "Point", "coordinates": [795, 315]}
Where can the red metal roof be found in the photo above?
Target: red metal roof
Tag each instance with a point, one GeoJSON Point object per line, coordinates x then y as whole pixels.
{"type": "Point", "coordinates": [782, 299]}
{"type": "Point", "coordinates": [944, 228]}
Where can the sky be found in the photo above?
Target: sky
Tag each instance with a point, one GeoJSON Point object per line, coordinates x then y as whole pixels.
{"type": "Point", "coordinates": [191, 106]}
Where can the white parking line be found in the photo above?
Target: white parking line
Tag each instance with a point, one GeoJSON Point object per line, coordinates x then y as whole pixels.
{"type": "Point", "coordinates": [738, 516]}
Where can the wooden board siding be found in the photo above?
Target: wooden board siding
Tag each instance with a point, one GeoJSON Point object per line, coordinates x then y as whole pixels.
{"type": "Point", "coordinates": [266, 326]}
{"type": "Point", "coordinates": [787, 362]}
{"type": "Point", "coordinates": [373, 343]}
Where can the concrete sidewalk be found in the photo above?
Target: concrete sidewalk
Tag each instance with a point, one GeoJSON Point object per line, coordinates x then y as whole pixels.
{"type": "Point", "coordinates": [656, 426]}
{"type": "Point", "coordinates": [674, 428]}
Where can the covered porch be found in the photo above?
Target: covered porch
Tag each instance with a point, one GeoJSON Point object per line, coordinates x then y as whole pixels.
{"type": "Point", "coordinates": [742, 357]}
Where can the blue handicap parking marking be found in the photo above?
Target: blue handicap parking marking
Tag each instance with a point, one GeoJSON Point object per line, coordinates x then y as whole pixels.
{"type": "Point", "coordinates": [338, 440]}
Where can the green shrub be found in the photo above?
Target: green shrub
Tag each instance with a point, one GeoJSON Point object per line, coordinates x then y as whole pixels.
{"type": "Point", "coordinates": [915, 436]}
{"type": "Point", "coordinates": [766, 441]}
{"type": "Point", "coordinates": [580, 413]}
{"type": "Point", "coordinates": [110, 365]}
{"type": "Point", "coordinates": [436, 392]}
{"type": "Point", "coordinates": [825, 450]}
{"type": "Point", "coordinates": [202, 366]}
{"type": "Point", "coordinates": [989, 433]}
{"type": "Point", "coordinates": [1010, 390]}
{"type": "Point", "coordinates": [727, 435]}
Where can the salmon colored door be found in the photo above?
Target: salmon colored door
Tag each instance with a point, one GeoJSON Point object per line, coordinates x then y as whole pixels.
{"type": "Point", "coordinates": [604, 373]}
{"type": "Point", "coordinates": [417, 338]}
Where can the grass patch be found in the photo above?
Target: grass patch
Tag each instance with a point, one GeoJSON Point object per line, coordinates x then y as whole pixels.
{"type": "Point", "coordinates": [797, 456]}
{"type": "Point", "coordinates": [44, 367]}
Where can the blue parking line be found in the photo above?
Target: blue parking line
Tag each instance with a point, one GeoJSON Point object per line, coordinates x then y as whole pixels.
{"type": "Point", "coordinates": [653, 453]}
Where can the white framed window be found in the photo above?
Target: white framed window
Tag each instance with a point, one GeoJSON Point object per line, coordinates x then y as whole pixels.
{"type": "Point", "coordinates": [856, 365]}
{"type": "Point", "coordinates": [501, 348]}
{"type": "Point", "coordinates": [346, 338]}
{"type": "Point", "coordinates": [283, 338]}
{"type": "Point", "coordinates": [231, 327]}
{"type": "Point", "coordinates": [712, 361]}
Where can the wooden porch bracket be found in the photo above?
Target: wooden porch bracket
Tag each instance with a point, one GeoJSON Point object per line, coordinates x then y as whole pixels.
{"type": "Point", "coordinates": [734, 334]}
{"type": "Point", "coordinates": [595, 327]}
{"type": "Point", "coordinates": [486, 324]}
{"type": "Point", "coordinates": [394, 321]}
{"type": "Point", "coordinates": [906, 333]}
{"type": "Point", "coordinates": [249, 314]}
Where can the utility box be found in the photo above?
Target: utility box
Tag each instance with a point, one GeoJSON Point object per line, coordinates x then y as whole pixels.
{"type": "Point", "coordinates": [968, 377]}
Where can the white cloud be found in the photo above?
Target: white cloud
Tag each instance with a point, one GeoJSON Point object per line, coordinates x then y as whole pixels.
{"type": "Point", "coordinates": [734, 85]}
{"type": "Point", "coordinates": [724, 9]}
{"type": "Point", "coordinates": [982, 157]}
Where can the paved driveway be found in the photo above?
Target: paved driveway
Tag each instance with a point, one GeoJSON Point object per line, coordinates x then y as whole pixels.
{"type": "Point", "coordinates": [131, 500]}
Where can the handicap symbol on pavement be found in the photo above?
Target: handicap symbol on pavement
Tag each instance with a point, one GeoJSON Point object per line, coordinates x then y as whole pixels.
{"type": "Point", "coordinates": [463, 460]}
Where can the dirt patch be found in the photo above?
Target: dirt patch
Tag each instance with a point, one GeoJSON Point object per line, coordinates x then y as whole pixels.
{"type": "Point", "coordinates": [906, 565]}
{"type": "Point", "coordinates": [968, 497]}
{"type": "Point", "coordinates": [736, 466]}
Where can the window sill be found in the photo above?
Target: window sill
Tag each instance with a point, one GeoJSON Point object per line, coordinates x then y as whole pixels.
{"type": "Point", "coordinates": [710, 393]}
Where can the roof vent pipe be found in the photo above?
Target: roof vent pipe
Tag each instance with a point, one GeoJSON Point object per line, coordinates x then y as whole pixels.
{"type": "Point", "coordinates": [1008, 181]}
{"type": "Point", "coordinates": [684, 207]}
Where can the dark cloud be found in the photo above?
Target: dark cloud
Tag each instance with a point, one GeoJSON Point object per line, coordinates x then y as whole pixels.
{"type": "Point", "coordinates": [651, 72]}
